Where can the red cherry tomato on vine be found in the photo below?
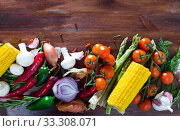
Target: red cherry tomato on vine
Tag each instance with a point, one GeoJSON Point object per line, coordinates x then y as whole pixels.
{"type": "Point", "coordinates": [100, 84]}
{"type": "Point", "coordinates": [159, 57]}
{"type": "Point", "coordinates": [155, 72]}
{"type": "Point", "coordinates": [152, 90]}
{"type": "Point", "coordinates": [103, 52]}
{"type": "Point", "coordinates": [139, 56]}
{"type": "Point", "coordinates": [90, 60]}
{"type": "Point", "coordinates": [96, 48]}
{"type": "Point", "coordinates": [110, 59]}
{"type": "Point", "coordinates": [137, 99]}
{"type": "Point", "coordinates": [108, 70]}
{"type": "Point", "coordinates": [146, 105]}
{"type": "Point", "coordinates": [167, 77]}
{"type": "Point", "coordinates": [145, 44]}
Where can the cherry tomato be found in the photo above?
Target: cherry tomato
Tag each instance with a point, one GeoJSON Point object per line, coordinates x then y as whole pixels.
{"type": "Point", "coordinates": [108, 70]}
{"type": "Point", "coordinates": [146, 105]}
{"type": "Point", "coordinates": [139, 56]}
{"type": "Point", "coordinates": [100, 83]}
{"type": "Point", "coordinates": [152, 90]}
{"type": "Point", "coordinates": [159, 57]}
{"type": "Point", "coordinates": [137, 99]}
{"type": "Point", "coordinates": [110, 59]}
{"type": "Point", "coordinates": [96, 48]}
{"type": "Point", "coordinates": [88, 59]}
{"type": "Point", "coordinates": [145, 44]}
{"type": "Point", "coordinates": [167, 77]}
{"type": "Point", "coordinates": [103, 52]}
{"type": "Point", "coordinates": [155, 72]}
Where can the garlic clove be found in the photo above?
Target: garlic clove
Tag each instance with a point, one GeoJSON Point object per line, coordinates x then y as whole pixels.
{"type": "Point", "coordinates": [169, 96]}
{"type": "Point", "coordinates": [33, 43]}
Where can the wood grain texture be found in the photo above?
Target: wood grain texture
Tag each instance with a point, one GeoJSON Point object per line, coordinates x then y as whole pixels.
{"type": "Point", "coordinates": [97, 21]}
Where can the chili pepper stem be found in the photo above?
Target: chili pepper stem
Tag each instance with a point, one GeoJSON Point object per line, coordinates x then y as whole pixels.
{"type": "Point", "coordinates": [42, 41]}
{"type": "Point", "coordinates": [57, 70]}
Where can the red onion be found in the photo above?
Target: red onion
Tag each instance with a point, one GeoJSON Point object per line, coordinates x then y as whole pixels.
{"type": "Point", "coordinates": [65, 89]}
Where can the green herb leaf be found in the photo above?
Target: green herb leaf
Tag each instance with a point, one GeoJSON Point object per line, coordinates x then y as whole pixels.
{"type": "Point", "coordinates": [14, 102]}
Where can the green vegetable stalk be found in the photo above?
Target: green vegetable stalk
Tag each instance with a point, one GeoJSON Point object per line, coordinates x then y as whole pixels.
{"type": "Point", "coordinates": [14, 103]}
{"type": "Point", "coordinates": [121, 49]}
{"type": "Point", "coordinates": [125, 66]}
{"type": "Point", "coordinates": [135, 42]}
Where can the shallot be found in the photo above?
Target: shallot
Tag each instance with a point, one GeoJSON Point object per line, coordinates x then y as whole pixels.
{"type": "Point", "coordinates": [50, 54]}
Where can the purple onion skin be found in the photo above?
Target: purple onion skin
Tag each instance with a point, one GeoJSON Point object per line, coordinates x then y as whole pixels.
{"type": "Point", "coordinates": [177, 75]}
{"type": "Point", "coordinates": [68, 82]}
{"type": "Point", "coordinates": [158, 103]}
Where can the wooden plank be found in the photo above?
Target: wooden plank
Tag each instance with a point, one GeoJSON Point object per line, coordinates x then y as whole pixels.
{"type": "Point", "coordinates": [98, 21]}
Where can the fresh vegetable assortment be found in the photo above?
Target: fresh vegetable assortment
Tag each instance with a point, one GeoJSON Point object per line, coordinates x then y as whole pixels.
{"type": "Point", "coordinates": [143, 75]}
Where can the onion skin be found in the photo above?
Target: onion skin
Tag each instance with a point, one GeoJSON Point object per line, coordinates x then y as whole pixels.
{"type": "Point", "coordinates": [75, 106]}
{"type": "Point", "coordinates": [177, 75]}
{"type": "Point", "coordinates": [65, 89]}
{"type": "Point", "coordinates": [50, 54]}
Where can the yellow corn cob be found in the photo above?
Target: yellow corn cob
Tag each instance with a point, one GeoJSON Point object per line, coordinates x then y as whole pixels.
{"type": "Point", "coordinates": [8, 55]}
{"type": "Point", "coordinates": [128, 86]}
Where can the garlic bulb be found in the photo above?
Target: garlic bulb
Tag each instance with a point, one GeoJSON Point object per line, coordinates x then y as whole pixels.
{"type": "Point", "coordinates": [163, 101]}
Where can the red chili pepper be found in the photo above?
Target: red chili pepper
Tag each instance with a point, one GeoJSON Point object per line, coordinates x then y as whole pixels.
{"type": "Point", "coordinates": [87, 45]}
{"type": "Point", "coordinates": [74, 50]}
{"type": "Point", "coordinates": [28, 85]}
{"type": "Point", "coordinates": [38, 61]}
{"type": "Point", "coordinates": [49, 84]}
{"type": "Point", "coordinates": [18, 97]}
{"type": "Point", "coordinates": [85, 54]}
{"type": "Point", "coordinates": [88, 93]}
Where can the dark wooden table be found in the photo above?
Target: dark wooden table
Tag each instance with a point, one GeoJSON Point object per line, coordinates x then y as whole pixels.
{"type": "Point", "coordinates": [97, 21]}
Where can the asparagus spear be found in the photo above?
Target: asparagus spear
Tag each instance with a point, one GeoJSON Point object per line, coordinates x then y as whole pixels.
{"type": "Point", "coordinates": [121, 49]}
{"type": "Point", "coordinates": [135, 42]}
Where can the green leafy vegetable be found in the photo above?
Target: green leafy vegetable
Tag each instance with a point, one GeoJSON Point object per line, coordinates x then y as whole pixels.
{"type": "Point", "coordinates": [174, 61]}
{"type": "Point", "coordinates": [164, 46]}
{"type": "Point", "coordinates": [14, 103]}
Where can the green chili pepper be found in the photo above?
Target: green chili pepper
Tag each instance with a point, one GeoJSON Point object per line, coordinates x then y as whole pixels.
{"type": "Point", "coordinates": [43, 76]}
{"type": "Point", "coordinates": [41, 104]}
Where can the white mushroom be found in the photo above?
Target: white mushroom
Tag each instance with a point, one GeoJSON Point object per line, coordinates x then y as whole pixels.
{"type": "Point", "coordinates": [4, 88]}
{"type": "Point", "coordinates": [24, 58]}
{"type": "Point", "coordinates": [68, 61]}
{"type": "Point", "coordinates": [16, 69]}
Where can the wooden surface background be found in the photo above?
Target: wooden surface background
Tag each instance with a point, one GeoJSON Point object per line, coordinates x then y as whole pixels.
{"type": "Point", "coordinates": [97, 21]}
